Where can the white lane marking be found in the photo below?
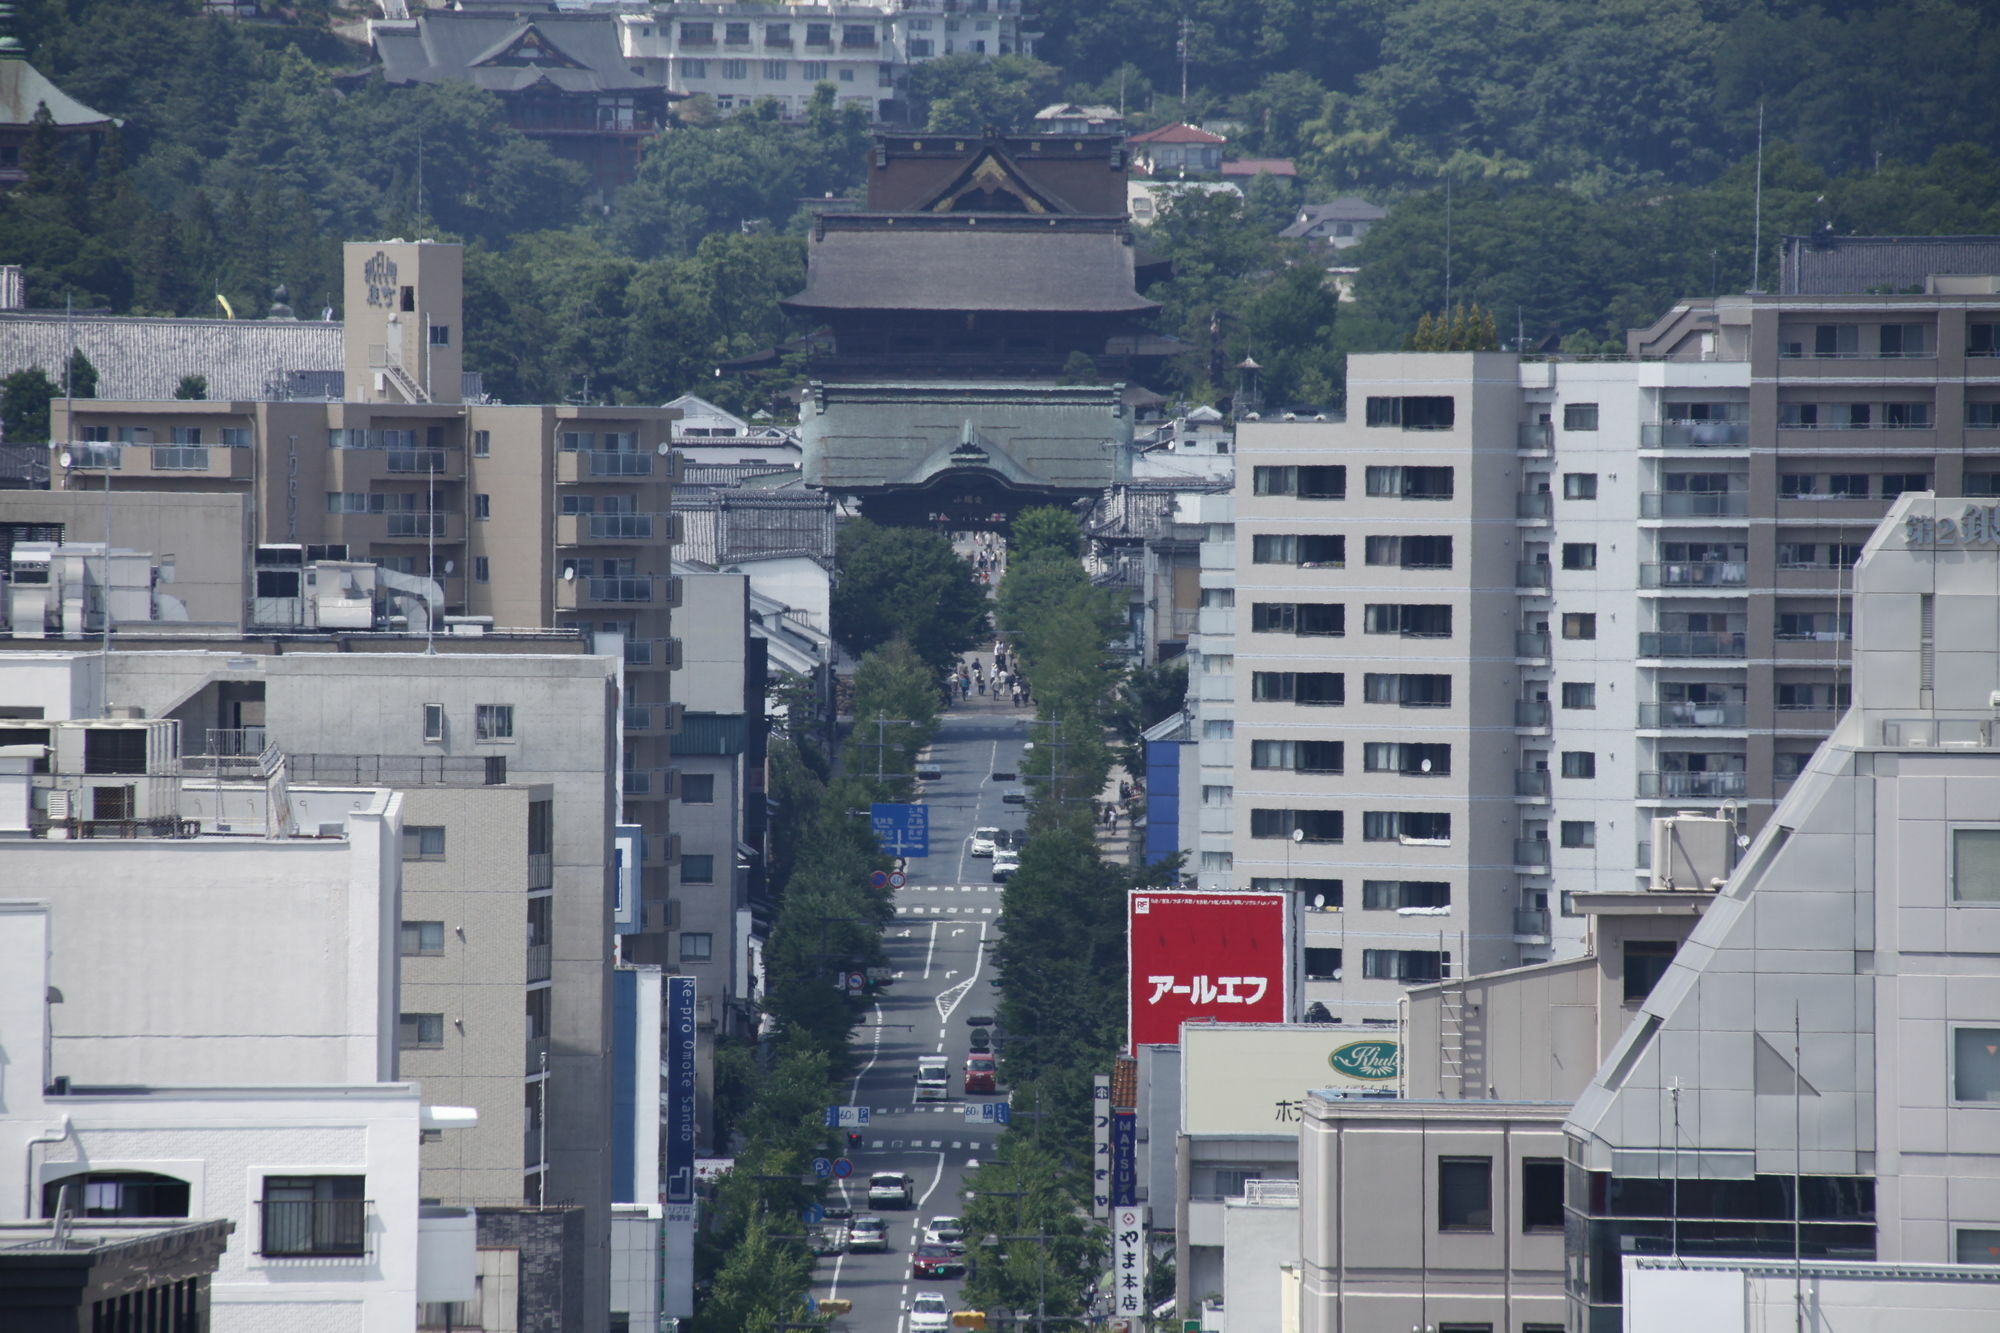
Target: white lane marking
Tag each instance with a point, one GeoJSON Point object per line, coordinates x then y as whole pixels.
{"type": "Point", "coordinates": [928, 950]}
{"type": "Point", "coordinates": [948, 1000]}
{"type": "Point", "coordinates": [957, 931]}
{"type": "Point", "coordinates": [854, 1094]}
{"type": "Point", "coordinates": [935, 1180]}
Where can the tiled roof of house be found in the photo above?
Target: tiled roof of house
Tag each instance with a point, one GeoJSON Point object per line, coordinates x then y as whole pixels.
{"type": "Point", "coordinates": [1141, 510]}
{"type": "Point", "coordinates": [1828, 265]}
{"type": "Point", "coordinates": [141, 359]}
{"type": "Point", "coordinates": [720, 529]}
{"type": "Point", "coordinates": [1024, 264]}
{"type": "Point", "coordinates": [1258, 166]}
{"type": "Point", "coordinates": [1177, 134]}
{"type": "Point", "coordinates": [1345, 209]}
{"type": "Point", "coordinates": [507, 52]}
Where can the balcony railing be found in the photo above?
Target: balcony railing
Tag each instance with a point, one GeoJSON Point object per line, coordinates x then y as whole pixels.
{"type": "Point", "coordinates": [1694, 504]}
{"type": "Point", "coordinates": [398, 770]}
{"type": "Point", "coordinates": [423, 461]}
{"type": "Point", "coordinates": [539, 966]}
{"type": "Point", "coordinates": [638, 717]}
{"type": "Point", "coordinates": [1694, 435]}
{"type": "Point", "coordinates": [1530, 643]}
{"type": "Point", "coordinates": [605, 463]}
{"type": "Point", "coordinates": [621, 527]}
{"type": "Point", "coordinates": [1534, 504]}
{"type": "Point", "coordinates": [1684, 714]}
{"type": "Point", "coordinates": [1531, 574]}
{"type": "Point", "coordinates": [1537, 437]}
{"type": "Point", "coordinates": [1716, 784]}
{"type": "Point", "coordinates": [180, 458]}
{"type": "Point", "coordinates": [537, 1052]}
{"type": "Point", "coordinates": [1531, 782]}
{"type": "Point", "coordinates": [621, 589]}
{"type": "Point", "coordinates": [643, 652]}
{"type": "Point", "coordinates": [541, 870]}
{"type": "Point", "coordinates": [1672, 644]}
{"type": "Point", "coordinates": [1695, 574]}
{"type": "Point", "coordinates": [416, 525]}
{"type": "Point", "coordinates": [314, 1228]}
{"type": "Point", "coordinates": [1531, 712]}
{"type": "Point", "coordinates": [1531, 852]}
{"type": "Point", "coordinates": [1531, 921]}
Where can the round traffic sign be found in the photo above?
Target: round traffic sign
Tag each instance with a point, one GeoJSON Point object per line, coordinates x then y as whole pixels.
{"type": "Point", "coordinates": [842, 1168]}
{"type": "Point", "coordinates": [897, 879]}
{"type": "Point", "coordinates": [878, 879]}
{"type": "Point", "coordinates": [822, 1168]}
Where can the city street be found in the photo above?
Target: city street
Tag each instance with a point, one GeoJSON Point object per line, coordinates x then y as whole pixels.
{"type": "Point", "coordinates": [946, 914]}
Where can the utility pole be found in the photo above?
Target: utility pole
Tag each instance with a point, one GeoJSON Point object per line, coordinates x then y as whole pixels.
{"type": "Point", "coordinates": [880, 745]}
{"type": "Point", "coordinates": [1182, 49]}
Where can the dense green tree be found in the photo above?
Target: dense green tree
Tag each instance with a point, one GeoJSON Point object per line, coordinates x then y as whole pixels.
{"type": "Point", "coordinates": [1045, 531]}
{"type": "Point", "coordinates": [24, 406]}
{"type": "Point", "coordinates": [966, 94]}
{"type": "Point", "coordinates": [82, 375]}
{"type": "Point", "coordinates": [905, 583]}
{"type": "Point", "coordinates": [194, 387]}
{"type": "Point", "coordinates": [1146, 697]}
{"type": "Point", "coordinates": [893, 684]}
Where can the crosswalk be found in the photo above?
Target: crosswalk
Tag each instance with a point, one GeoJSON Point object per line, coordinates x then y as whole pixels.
{"type": "Point", "coordinates": [951, 908]}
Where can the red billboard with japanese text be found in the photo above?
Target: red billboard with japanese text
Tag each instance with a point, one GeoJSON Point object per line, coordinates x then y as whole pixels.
{"type": "Point", "coordinates": [1221, 957]}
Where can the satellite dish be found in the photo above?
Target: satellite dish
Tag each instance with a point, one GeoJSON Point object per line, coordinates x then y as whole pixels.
{"type": "Point", "coordinates": [67, 460]}
{"type": "Point", "coordinates": [569, 574]}
{"type": "Point", "coordinates": [1319, 900]}
{"type": "Point", "coordinates": [666, 447]}
{"type": "Point", "coordinates": [450, 565]}
{"type": "Point", "coordinates": [1742, 840]}
{"type": "Point", "coordinates": [1426, 765]}
{"type": "Point", "coordinates": [1298, 835]}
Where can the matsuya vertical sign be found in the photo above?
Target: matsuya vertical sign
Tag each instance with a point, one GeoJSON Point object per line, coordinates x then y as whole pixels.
{"type": "Point", "coordinates": [1217, 957]}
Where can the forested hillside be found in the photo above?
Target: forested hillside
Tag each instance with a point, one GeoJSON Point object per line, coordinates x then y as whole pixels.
{"type": "Point", "coordinates": [1597, 155]}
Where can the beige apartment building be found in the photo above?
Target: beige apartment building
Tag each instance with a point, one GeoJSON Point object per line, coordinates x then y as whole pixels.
{"type": "Point", "coordinates": [524, 515]}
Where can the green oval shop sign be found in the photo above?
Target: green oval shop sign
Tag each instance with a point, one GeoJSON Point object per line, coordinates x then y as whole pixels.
{"type": "Point", "coordinates": [1371, 1060]}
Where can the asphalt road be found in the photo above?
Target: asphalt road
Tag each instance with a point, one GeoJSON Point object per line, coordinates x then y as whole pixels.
{"type": "Point", "coordinates": [946, 915]}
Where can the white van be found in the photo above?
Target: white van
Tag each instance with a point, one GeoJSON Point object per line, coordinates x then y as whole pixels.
{"type": "Point", "coordinates": [933, 1080]}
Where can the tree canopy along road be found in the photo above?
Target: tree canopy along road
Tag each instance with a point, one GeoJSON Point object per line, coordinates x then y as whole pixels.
{"type": "Point", "coordinates": [948, 913]}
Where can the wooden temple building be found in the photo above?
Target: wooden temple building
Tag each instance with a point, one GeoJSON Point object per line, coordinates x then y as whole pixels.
{"type": "Point", "coordinates": [946, 383]}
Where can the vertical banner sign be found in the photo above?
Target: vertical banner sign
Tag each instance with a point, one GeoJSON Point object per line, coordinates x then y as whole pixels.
{"type": "Point", "coordinates": [680, 1090]}
{"type": "Point", "coordinates": [1124, 1159]}
{"type": "Point", "coordinates": [1128, 1264]}
{"type": "Point", "coordinates": [1205, 957]}
{"type": "Point", "coordinates": [1100, 1147]}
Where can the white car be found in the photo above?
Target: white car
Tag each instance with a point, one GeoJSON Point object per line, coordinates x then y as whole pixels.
{"type": "Point", "coordinates": [889, 1189]}
{"type": "Point", "coordinates": [929, 1311]}
{"type": "Point", "coordinates": [985, 841]}
{"type": "Point", "coordinates": [933, 1082]}
{"type": "Point", "coordinates": [1005, 863]}
{"type": "Point", "coordinates": [945, 1231]}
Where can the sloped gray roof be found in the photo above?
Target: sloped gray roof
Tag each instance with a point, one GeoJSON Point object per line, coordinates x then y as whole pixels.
{"type": "Point", "coordinates": [1347, 208]}
{"type": "Point", "coordinates": [23, 88]}
{"type": "Point", "coordinates": [722, 529]}
{"type": "Point", "coordinates": [1830, 265]}
{"type": "Point", "coordinates": [141, 359]}
{"type": "Point", "coordinates": [1142, 510]}
{"type": "Point", "coordinates": [991, 266]}
{"type": "Point", "coordinates": [453, 46]}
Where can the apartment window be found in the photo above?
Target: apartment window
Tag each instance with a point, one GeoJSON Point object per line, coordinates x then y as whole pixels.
{"type": "Point", "coordinates": [920, 47]}
{"type": "Point", "coordinates": [1579, 833]}
{"type": "Point", "coordinates": [857, 34]}
{"type": "Point", "coordinates": [1906, 340]}
{"type": "Point", "coordinates": [1975, 1065]}
{"type": "Point", "coordinates": [698, 788]}
{"type": "Point", "coordinates": [1306, 551]}
{"type": "Point", "coordinates": [1579, 764]}
{"type": "Point", "coordinates": [1465, 1193]}
{"type": "Point", "coordinates": [1645, 963]}
{"type": "Point", "coordinates": [1975, 865]}
{"type": "Point", "coordinates": [1579, 694]}
{"type": "Point", "coordinates": [1298, 756]}
{"type": "Point", "coordinates": [697, 868]}
{"type": "Point", "coordinates": [420, 1032]}
{"type": "Point", "coordinates": [697, 34]}
{"type": "Point", "coordinates": [1419, 621]}
{"type": "Point", "coordinates": [314, 1215]}
{"type": "Point", "coordinates": [1579, 416]}
{"type": "Point", "coordinates": [694, 69]}
{"type": "Point", "coordinates": [1836, 340]}
{"type": "Point", "coordinates": [1579, 485]}
{"type": "Point", "coordinates": [1579, 555]}
{"type": "Point", "coordinates": [735, 69]}
{"type": "Point", "coordinates": [1411, 483]}
{"type": "Point", "coordinates": [1319, 688]}
{"type": "Point", "coordinates": [1412, 967]}
{"type": "Point", "coordinates": [1412, 413]}
{"type": "Point", "coordinates": [422, 939]}
{"type": "Point", "coordinates": [697, 946]}
{"type": "Point", "coordinates": [1410, 552]}
{"type": "Point", "coordinates": [1407, 691]}
{"type": "Point", "coordinates": [1579, 625]}
{"type": "Point", "coordinates": [482, 444]}
{"type": "Point", "coordinates": [493, 722]}
{"type": "Point", "coordinates": [1306, 483]}
{"type": "Point", "coordinates": [819, 34]}
{"type": "Point", "coordinates": [1407, 758]}
{"type": "Point", "coordinates": [1316, 825]}
{"type": "Point", "coordinates": [812, 71]}
{"type": "Point", "coordinates": [736, 34]}
{"type": "Point", "coordinates": [1977, 1245]}
{"type": "Point", "coordinates": [777, 34]}
{"type": "Point", "coordinates": [1391, 895]}
{"type": "Point", "coordinates": [423, 842]}
{"type": "Point", "coordinates": [1848, 485]}
{"type": "Point", "coordinates": [1322, 964]}
{"type": "Point", "coordinates": [774, 70]}
{"type": "Point", "coordinates": [1405, 826]}
{"type": "Point", "coordinates": [1325, 619]}
{"type": "Point", "coordinates": [185, 434]}
{"type": "Point", "coordinates": [1906, 416]}
{"type": "Point", "coordinates": [433, 724]}
{"type": "Point", "coordinates": [1542, 1194]}
{"type": "Point", "coordinates": [440, 335]}
{"type": "Point", "coordinates": [1218, 729]}
{"type": "Point", "coordinates": [482, 506]}
{"type": "Point", "coordinates": [1895, 483]}
{"type": "Point", "coordinates": [482, 569]}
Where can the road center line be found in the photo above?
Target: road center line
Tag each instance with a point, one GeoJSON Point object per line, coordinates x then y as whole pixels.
{"type": "Point", "coordinates": [874, 1049]}
{"type": "Point", "coordinates": [929, 949]}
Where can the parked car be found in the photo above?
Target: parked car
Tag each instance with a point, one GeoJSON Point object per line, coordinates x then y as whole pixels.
{"type": "Point", "coordinates": [981, 1074]}
{"type": "Point", "coordinates": [868, 1233]}
{"type": "Point", "coordinates": [982, 1039]}
{"type": "Point", "coordinates": [889, 1189]}
{"type": "Point", "coordinates": [1005, 863]}
{"type": "Point", "coordinates": [930, 1312]}
{"type": "Point", "coordinates": [983, 841]}
{"type": "Point", "coordinates": [936, 1261]}
{"type": "Point", "coordinates": [946, 1231]}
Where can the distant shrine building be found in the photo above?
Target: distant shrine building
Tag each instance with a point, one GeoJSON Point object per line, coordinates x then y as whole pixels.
{"type": "Point", "coordinates": [946, 384]}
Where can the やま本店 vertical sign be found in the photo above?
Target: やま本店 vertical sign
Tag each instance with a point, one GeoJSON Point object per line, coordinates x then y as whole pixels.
{"type": "Point", "coordinates": [1218, 957]}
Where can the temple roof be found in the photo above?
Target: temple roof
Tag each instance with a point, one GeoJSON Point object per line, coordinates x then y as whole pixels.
{"type": "Point", "coordinates": [507, 52]}
{"type": "Point", "coordinates": [23, 87]}
{"type": "Point", "coordinates": [956, 262]}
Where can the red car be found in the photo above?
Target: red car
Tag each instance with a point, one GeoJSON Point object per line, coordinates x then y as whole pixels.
{"type": "Point", "coordinates": [981, 1075]}
{"type": "Point", "coordinates": [936, 1261]}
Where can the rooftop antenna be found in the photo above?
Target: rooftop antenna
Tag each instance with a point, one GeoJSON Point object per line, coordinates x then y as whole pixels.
{"type": "Point", "coordinates": [1447, 247]}
{"type": "Point", "coordinates": [1757, 226]}
{"type": "Point", "coordinates": [1182, 50]}
{"type": "Point", "coordinates": [420, 181]}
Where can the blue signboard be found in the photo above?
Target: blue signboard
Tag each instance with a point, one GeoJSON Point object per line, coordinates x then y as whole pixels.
{"type": "Point", "coordinates": [988, 1113]}
{"type": "Point", "coordinates": [847, 1117]}
{"type": "Point", "coordinates": [1124, 1159]}
{"type": "Point", "coordinates": [901, 829]}
{"type": "Point", "coordinates": [680, 1090]}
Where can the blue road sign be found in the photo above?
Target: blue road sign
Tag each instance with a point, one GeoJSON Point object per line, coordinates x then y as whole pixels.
{"type": "Point", "coordinates": [847, 1117]}
{"type": "Point", "coordinates": [822, 1168]}
{"type": "Point", "coordinates": [842, 1168]}
{"type": "Point", "coordinates": [813, 1214]}
{"type": "Point", "coordinates": [901, 829]}
{"type": "Point", "coordinates": [988, 1113]}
